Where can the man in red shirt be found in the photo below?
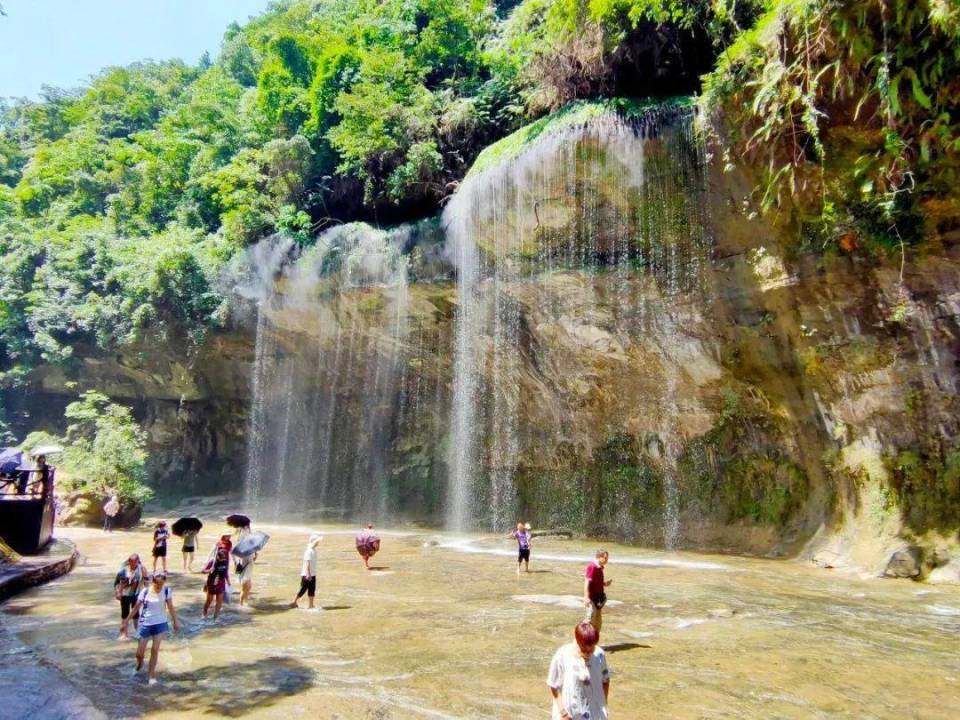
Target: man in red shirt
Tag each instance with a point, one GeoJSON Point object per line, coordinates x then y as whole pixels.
{"type": "Point", "coordinates": [594, 596]}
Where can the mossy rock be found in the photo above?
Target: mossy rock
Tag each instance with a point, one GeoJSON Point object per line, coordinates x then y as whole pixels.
{"type": "Point", "coordinates": [579, 112]}
{"type": "Point", "coordinates": [86, 509]}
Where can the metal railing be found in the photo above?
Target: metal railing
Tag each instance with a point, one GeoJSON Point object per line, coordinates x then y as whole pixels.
{"type": "Point", "coordinates": [26, 484]}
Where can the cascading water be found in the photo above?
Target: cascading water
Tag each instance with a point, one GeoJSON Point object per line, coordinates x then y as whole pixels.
{"type": "Point", "coordinates": [612, 206]}
{"type": "Point", "coordinates": [336, 373]}
{"type": "Point", "coordinates": [584, 253]}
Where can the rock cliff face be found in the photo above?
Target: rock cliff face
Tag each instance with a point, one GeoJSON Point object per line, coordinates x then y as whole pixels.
{"type": "Point", "coordinates": [630, 353]}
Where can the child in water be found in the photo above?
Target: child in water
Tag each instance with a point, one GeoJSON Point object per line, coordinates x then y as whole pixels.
{"type": "Point", "coordinates": [522, 536]}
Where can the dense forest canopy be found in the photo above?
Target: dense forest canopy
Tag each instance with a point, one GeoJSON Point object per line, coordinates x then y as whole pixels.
{"type": "Point", "coordinates": [121, 201]}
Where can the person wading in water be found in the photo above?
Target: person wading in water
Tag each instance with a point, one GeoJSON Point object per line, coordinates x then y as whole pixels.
{"type": "Point", "coordinates": [522, 536]}
{"type": "Point", "coordinates": [126, 587]}
{"type": "Point", "coordinates": [579, 679]}
{"type": "Point", "coordinates": [160, 537]}
{"type": "Point", "coordinates": [368, 544]}
{"type": "Point", "coordinates": [153, 602]}
{"type": "Point", "coordinates": [308, 572]}
{"type": "Point", "coordinates": [594, 589]}
{"type": "Point", "coordinates": [244, 569]}
{"type": "Point", "coordinates": [218, 579]}
{"type": "Point", "coordinates": [190, 546]}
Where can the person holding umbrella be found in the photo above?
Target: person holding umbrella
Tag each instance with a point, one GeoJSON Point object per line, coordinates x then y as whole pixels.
{"type": "Point", "coordinates": [188, 528]}
{"type": "Point", "coordinates": [308, 571]}
{"type": "Point", "coordinates": [245, 552]}
{"type": "Point", "coordinates": [368, 544]}
{"type": "Point", "coordinates": [244, 566]}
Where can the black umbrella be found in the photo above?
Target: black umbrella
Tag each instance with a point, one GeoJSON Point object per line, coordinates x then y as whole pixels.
{"type": "Point", "coordinates": [186, 524]}
{"type": "Point", "coordinates": [238, 521]}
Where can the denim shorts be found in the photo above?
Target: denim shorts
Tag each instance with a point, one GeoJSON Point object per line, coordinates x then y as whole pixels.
{"type": "Point", "coordinates": [147, 631]}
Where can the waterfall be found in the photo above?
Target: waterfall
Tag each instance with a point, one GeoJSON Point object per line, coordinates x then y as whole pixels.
{"type": "Point", "coordinates": [610, 196]}
{"type": "Point", "coordinates": [329, 375]}
{"type": "Point", "coordinates": [582, 253]}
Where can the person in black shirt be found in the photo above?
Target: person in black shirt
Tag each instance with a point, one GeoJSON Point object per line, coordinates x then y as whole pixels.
{"type": "Point", "coordinates": [160, 536]}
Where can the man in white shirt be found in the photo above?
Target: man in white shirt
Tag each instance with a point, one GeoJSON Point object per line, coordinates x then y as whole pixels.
{"type": "Point", "coordinates": [308, 571]}
{"type": "Point", "coordinates": [110, 510]}
{"type": "Point", "coordinates": [579, 679]}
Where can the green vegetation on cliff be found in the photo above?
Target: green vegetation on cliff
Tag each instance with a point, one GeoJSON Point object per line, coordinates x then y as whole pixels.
{"type": "Point", "coordinates": [851, 114]}
{"type": "Point", "coordinates": [121, 201]}
{"type": "Point", "coordinates": [577, 112]}
{"type": "Point", "coordinates": [104, 450]}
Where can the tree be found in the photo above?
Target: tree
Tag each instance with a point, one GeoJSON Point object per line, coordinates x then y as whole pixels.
{"type": "Point", "coordinates": [105, 448]}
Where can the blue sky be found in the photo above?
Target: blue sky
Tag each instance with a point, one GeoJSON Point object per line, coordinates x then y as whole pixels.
{"type": "Point", "coordinates": [63, 42]}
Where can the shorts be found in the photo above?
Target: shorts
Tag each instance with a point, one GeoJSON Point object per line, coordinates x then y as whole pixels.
{"type": "Point", "coordinates": [246, 574]}
{"type": "Point", "coordinates": [149, 631]}
{"type": "Point", "coordinates": [216, 586]}
{"type": "Point", "coordinates": [524, 555]}
{"type": "Point", "coordinates": [126, 604]}
{"type": "Point", "coordinates": [160, 552]}
{"type": "Point", "coordinates": [307, 586]}
{"type": "Point", "coordinates": [594, 616]}
{"type": "Point", "coordinates": [188, 549]}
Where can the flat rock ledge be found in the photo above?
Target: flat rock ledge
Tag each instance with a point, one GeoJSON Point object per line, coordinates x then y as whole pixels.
{"type": "Point", "coordinates": [56, 560]}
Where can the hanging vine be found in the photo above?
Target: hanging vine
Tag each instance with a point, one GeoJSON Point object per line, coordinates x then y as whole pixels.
{"type": "Point", "coordinates": [851, 111]}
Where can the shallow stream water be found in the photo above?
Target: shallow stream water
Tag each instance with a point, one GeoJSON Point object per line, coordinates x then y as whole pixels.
{"type": "Point", "coordinates": [443, 628]}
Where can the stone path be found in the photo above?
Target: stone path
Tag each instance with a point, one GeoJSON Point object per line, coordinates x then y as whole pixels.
{"type": "Point", "coordinates": [29, 688]}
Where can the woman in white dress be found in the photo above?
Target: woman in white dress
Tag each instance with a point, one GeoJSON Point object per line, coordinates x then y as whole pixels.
{"type": "Point", "coordinates": [579, 679]}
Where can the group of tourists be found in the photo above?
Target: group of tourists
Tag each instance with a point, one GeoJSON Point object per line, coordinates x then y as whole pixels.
{"type": "Point", "coordinates": [146, 600]}
{"type": "Point", "coordinates": [15, 479]}
{"type": "Point", "coordinates": [579, 679]}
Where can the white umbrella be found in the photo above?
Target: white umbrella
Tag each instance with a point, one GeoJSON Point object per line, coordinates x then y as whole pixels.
{"type": "Point", "coordinates": [45, 450]}
{"type": "Point", "coordinates": [250, 544]}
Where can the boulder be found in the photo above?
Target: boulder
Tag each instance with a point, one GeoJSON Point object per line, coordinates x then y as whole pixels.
{"type": "Point", "coordinates": [947, 574]}
{"type": "Point", "coordinates": [905, 563]}
{"type": "Point", "coordinates": [86, 509]}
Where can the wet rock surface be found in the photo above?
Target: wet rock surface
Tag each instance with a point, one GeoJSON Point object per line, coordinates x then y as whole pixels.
{"type": "Point", "coordinates": [33, 690]}
{"type": "Point", "coordinates": [906, 563]}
